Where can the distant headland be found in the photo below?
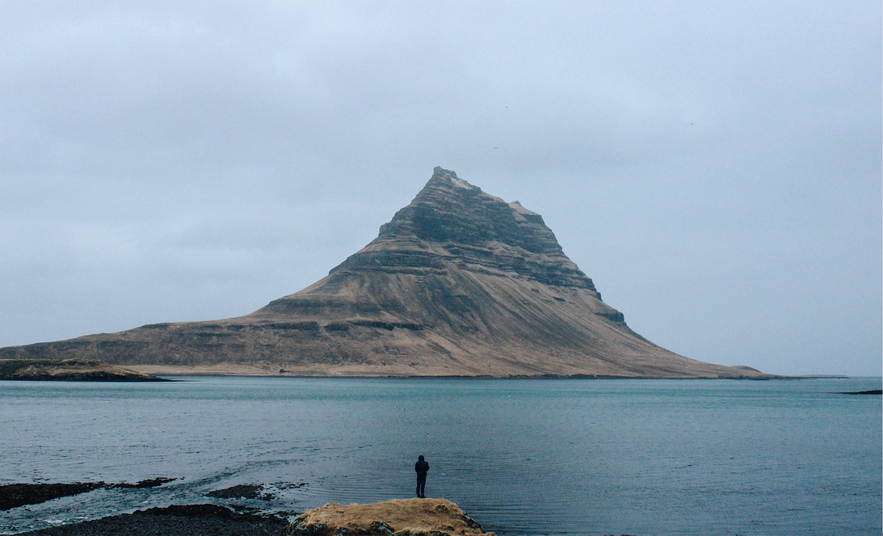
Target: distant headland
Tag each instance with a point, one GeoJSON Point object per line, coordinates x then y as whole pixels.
{"type": "Point", "coordinates": [90, 370]}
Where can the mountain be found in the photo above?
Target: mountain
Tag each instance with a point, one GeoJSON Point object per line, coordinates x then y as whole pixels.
{"type": "Point", "coordinates": [458, 283]}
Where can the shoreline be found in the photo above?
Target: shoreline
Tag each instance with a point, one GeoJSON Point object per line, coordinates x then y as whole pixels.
{"type": "Point", "coordinates": [93, 370]}
{"type": "Point", "coordinates": [26, 494]}
{"type": "Point", "coordinates": [174, 520]}
{"type": "Point", "coordinates": [772, 377]}
{"type": "Point", "coordinates": [393, 517]}
{"type": "Point", "coordinates": [179, 376]}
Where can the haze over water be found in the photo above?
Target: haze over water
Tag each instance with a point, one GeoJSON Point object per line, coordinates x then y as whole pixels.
{"type": "Point", "coordinates": [523, 457]}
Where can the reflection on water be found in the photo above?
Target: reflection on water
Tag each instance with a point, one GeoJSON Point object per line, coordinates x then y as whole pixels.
{"type": "Point", "coordinates": [521, 456]}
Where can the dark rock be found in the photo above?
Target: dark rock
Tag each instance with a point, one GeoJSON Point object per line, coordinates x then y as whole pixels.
{"type": "Point", "coordinates": [379, 528]}
{"type": "Point", "coordinates": [15, 495]}
{"type": "Point", "coordinates": [174, 521]}
{"type": "Point", "coordinates": [616, 317]}
{"type": "Point", "coordinates": [312, 529]}
{"type": "Point", "coordinates": [150, 483]}
{"type": "Point", "coordinates": [241, 491]}
{"type": "Point", "coordinates": [191, 510]}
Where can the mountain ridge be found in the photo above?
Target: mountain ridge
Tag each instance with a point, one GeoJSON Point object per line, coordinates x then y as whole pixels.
{"type": "Point", "coordinates": [457, 283]}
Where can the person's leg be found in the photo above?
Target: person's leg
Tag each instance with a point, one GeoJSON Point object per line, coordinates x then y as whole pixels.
{"type": "Point", "coordinates": [421, 486]}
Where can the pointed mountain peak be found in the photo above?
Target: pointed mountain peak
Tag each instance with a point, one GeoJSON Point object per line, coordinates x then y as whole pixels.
{"type": "Point", "coordinates": [451, 220]}
{"type": "Point", "coordinates": [446, 178]}
{"type": "Point", "coordinates": [445, 184]}
{"type": "Point", "coordinates": [449, 209]}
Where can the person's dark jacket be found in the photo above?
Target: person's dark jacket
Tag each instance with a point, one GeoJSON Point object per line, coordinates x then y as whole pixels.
{"type": "Point", "coordinates": [421, 467]}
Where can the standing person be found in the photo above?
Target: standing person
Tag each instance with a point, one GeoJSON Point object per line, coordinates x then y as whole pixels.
{"type": "Point", "coordinates": [421, 467]}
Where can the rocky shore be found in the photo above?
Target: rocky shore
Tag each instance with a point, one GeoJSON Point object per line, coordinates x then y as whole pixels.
{"type": "Point", "coordinates": [15, 495]}
{"type": "Point", "coordinates": [398, 517]}
{"type": "Point", "coordinates": [175, 521]}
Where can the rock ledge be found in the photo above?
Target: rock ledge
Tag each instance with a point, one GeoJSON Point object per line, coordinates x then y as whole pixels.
{"type": "Point", "coordinates": [398, 517]}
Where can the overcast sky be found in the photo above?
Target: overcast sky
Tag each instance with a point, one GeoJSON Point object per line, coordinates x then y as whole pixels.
{"type": "Point", "coordinates": [715, 167]}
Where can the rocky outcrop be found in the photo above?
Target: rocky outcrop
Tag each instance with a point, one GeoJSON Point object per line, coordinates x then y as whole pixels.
{"type": "Point", "coordinates": [458, 283]}
{"type": "Point", "coordinates": [409, 517]}
{"type": "Point", "coordinates": [15, 495]}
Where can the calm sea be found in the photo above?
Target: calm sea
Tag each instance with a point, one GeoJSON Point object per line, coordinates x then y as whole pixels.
{"type": "Point", "coordinates": [523, 457]}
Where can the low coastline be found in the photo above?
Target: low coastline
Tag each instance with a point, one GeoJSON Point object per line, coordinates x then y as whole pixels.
{"type": "Point", "coordinates": [396, 517]}
{"type": "Point", "coordinates": [75, 370]}
{"type": "Point", "coordinates": [94, 370]}
{"type": "Point", "coordinates": [175, 520]}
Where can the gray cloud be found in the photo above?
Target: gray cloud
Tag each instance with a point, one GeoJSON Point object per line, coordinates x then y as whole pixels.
{"type": "Point", "coordinates": [715, 168]}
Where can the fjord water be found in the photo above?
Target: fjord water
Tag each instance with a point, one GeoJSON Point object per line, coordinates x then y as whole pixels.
{"type": "Point", "coordinates": [523, 457]}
